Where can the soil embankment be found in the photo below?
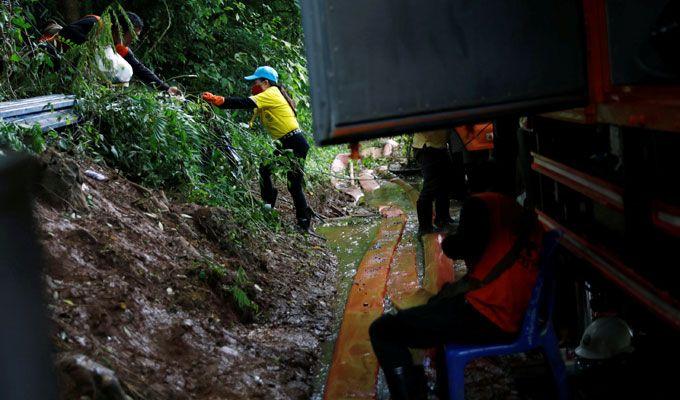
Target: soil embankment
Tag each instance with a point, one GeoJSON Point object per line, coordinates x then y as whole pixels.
{"type": "Point", "coordinates": [172, 298]}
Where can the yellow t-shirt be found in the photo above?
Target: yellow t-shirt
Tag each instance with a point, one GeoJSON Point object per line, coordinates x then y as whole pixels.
{"type": "Point", "coordinates": [275, 112]}
{"type": "Point", "coordinates": [433, 139]}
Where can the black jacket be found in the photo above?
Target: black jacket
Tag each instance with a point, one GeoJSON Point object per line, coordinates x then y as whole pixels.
{"type": "Point", "coordinates": [77, 33]}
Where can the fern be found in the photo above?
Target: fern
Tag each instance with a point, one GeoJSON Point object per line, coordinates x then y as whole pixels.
{"type": "Point", "coordinates": [239, 295]}
{"type": "Point", "coordinates": [242, 301]}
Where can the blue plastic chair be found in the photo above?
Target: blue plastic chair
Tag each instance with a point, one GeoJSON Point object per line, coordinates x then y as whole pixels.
{"type": "Point", "coordinates": [536, 332]}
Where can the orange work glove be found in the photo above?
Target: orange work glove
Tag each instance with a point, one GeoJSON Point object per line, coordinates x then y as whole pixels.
{"type": "Point", "coordinates": [212, 99]}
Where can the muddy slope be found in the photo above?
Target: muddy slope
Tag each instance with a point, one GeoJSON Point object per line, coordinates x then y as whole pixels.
{"type": "Point", "coordinates": [154, 291]}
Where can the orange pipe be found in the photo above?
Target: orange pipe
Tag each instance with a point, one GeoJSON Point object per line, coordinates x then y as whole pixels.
{"type": "Point", "coordinates": [389, 266]}
{"type": "Point", "coordinates": [438, 267]}
{"type": "Point", "coordinates": [354, 368]}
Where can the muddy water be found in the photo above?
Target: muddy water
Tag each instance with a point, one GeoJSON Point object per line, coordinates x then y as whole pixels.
{"type": "Point", "coordinates": [349, 240]}
{"type": "Point", "coordinates": [390, 193]}
{"type": "Point", "coordinates": [409, 284]}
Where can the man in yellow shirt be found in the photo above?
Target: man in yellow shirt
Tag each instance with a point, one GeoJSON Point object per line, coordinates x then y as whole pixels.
{"type": "Point", "coordinates": [431, 150]}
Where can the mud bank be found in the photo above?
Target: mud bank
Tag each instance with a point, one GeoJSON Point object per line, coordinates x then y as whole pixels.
{"type": "Point", "coordinates": [175, 305]}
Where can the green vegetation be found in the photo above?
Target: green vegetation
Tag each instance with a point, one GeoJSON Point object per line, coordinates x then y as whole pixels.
{"type": "Point", "coordinates": [234, 286]}
{"type": "Point", "coordinates": [238, 293]}
{"type": "Point", "coordinates": [176, 144]}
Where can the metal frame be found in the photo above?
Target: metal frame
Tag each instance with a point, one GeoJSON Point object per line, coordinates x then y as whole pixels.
{"type": "Point", "coordinates": [661, 303]}
{"type": "Point", "coordinates": [50, 112]}
{"type": "Point", "coordinates": [650, 107]}
{"type": "Point", "coordinates": [666, 217]}
{"type": "Point", "coordinates": [646, 107]}
{"type": "Point", "coordinates": [16, 108]}
{"type": "Point", "coordinates": [597, 189]}
{"type": "Point", "coordinates": [445, 119]}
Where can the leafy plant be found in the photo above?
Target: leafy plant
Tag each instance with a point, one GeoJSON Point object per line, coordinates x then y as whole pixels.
{"type": "Point", "coordinates": [18, 138]}
{"type": "Point", "coordinates": [214, 274]}
{"type": "Point", "coordinates": [181, 146]}
{"type": "Point", "coordinates": [238, 293]}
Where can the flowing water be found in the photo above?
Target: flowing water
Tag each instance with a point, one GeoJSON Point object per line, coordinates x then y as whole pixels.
{"type": "Point", "coordinates": [349, 240]}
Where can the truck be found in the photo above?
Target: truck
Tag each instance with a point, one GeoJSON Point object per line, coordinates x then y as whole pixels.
{"type": "Point", "coordinates": [585, 99]}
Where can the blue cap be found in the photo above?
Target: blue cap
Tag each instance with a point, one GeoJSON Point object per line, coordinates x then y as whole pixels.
{"type": "Point", "coordinates": [264, 73]}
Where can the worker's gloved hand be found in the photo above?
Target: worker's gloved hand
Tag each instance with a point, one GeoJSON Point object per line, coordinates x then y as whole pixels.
{"type": "Point", "coordinates": [174, 91]}
{"type": "Point", "coordinates": [212, 99]}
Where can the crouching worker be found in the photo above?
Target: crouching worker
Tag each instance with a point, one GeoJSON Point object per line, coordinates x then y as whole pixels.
{"type": "Point", "coordinates": [499, 242]}
{"type": "Point", "coordinates": [124, 61]}
{"type": "Point", "coordinates": [279, 117]}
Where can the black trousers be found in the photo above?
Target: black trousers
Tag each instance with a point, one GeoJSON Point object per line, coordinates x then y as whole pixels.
{"type": "Point", "coordinates": [440, 321]}
{"type": "Point", "coordinates": [505, 155]}
{"type": "Point", "coordinates": [299, 146]}
{"type": "Point", "coordinates": [436, 167]}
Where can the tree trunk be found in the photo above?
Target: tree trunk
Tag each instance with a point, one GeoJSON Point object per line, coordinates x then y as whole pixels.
{"type": "Point", "coordinates": [69, 9]}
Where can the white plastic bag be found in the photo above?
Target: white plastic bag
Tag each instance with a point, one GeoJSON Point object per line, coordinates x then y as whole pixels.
{"type": "Point", "coordinates": [116, 69]}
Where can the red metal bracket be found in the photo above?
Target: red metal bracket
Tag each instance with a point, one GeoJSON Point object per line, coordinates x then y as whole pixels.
{"type": "Point", "coordinates": [597, 189]}
{"type": "Point", "coordinates": [666, 217]}
{"type": "Point", "coordinates": [605, 261]}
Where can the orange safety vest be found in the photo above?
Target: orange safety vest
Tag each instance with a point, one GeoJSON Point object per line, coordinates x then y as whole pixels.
{"type": "Point", "coordinates": [504, 300]}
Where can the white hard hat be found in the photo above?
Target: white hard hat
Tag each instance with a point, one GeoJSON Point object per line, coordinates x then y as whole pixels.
{"type": "Point", "coordinates": [605, 338]}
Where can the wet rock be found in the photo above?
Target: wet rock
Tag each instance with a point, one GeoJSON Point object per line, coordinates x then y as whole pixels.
{"type": "Point", "coordinates": [226, 350]}
{"type": "Point", "coordinates": [297, 389]}
{"type": "Point", "coordinates": [96, 175]}
{"type": "Point", "coordinates": [149, 203]}
{"type": "Point", "coordinates": [184, 247]}
{"type": "Point", "coordinates": [183, 224]}
{"type": "Point", "coordinates": [79, 376]}
{"type": "Point", "coordinates": [83, 236]}
{"type": "Point", "coordinates": [368, 181]}
{"type": "Point", "coordinates": [61, 182]}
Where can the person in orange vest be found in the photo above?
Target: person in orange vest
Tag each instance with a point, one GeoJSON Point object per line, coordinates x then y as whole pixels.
{"type": "Point", "coordinates": [499, 241]}
{"type": "Point", "coordinates": [277, 112]}
{"type": "Point", "coordinates": [79, 31]}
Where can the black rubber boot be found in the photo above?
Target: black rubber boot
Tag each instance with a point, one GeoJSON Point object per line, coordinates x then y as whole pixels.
{"type": "Point", "coordinates": [304, 222]}
{"type": "Point", "coordinates": [267, 189]}
{"type": "Point", "coordinates": [269, 196]}
{"type": "Point", "coordinates": [442, 215]}
{"type": "Point", "coordinates": [406, 383]}
{"type": "Point", "coordinates": [424, 211]}
{"type": "Point", "coordinates": [419, 387]}
{"type": "Point", "coordinates": [443, 225]}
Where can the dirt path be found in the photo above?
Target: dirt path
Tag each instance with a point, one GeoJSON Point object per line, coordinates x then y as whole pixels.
{"type": "Point", "coordinates": [160, 293]}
